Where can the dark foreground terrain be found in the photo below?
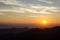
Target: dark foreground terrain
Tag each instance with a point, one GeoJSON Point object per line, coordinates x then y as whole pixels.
{"type": "Point", "coordinates": [30, 34]}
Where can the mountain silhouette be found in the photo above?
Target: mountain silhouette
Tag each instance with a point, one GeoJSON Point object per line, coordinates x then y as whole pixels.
{"type": "Point", "coordinates": [32, 34]}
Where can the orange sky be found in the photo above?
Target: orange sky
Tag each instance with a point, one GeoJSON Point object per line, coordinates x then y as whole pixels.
{"type": "Point", "coordinates": [30, 12]}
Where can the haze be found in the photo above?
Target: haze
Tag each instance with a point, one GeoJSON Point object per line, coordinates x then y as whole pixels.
{"type": "Point", "coordinates": [30, 12]}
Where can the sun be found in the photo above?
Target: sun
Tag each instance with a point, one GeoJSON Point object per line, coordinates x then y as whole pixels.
{"type": "Point", "coordinates": [44, 22]}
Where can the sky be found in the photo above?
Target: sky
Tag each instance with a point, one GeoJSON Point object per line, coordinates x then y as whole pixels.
{"type": "Point", "coordinates": [30, 11]}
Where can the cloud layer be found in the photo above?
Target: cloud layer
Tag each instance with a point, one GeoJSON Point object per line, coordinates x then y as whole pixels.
{"type": "Point", "coordinates": [30, 6]}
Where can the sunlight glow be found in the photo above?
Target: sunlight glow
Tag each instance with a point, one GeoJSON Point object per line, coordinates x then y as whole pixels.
{"type": "Point", "coordinates": [44, 21]}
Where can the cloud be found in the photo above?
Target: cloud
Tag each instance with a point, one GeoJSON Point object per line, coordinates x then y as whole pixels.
{"type": "Point", "coordinates": [49, 2]}
{"type": "Point", "coordinates": [1, 14]}
{"type": "Point", "coordinates": [34, 2]}
{"type": "Point", "coordinates": [44, 9]}
{"type": "Point", "coordinates": [33, 9]}
{"type": "Point", "coordinates": [55, 3]}
{"type": "Point", "coordinates": [18, 10]}
{"type": "Point", "coordinates": [29, 6]}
